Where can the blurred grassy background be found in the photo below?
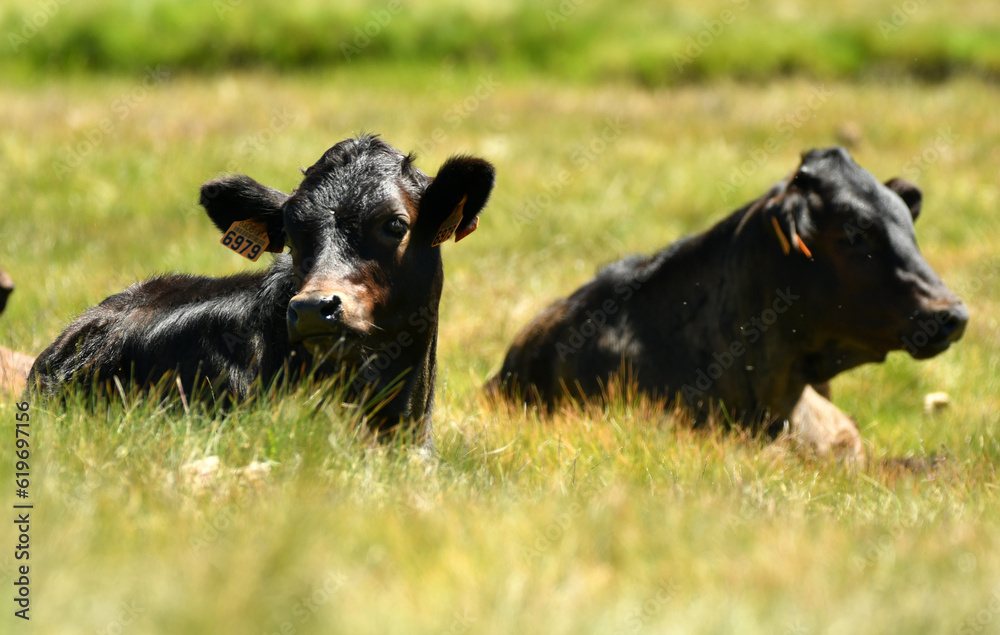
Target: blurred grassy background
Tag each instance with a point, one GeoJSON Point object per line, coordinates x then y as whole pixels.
{"type": "Point", "coordinates": [613, 520]}
{"type": "Point", "coordinates": [654, 44]}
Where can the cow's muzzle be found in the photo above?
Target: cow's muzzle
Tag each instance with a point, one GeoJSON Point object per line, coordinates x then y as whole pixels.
{"type": "Point", "coordinates": [935, 331]}
{"type": "Point", "coordinates": [324, 322]}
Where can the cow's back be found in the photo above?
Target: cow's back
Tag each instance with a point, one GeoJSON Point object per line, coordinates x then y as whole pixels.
{"type": "Point", "coordinates": [651, 321]}
{"type": "Point", "coordinates": [531, 369]}
{"type": "Point", "coordinates": [578, 343]}
{"type": "Point", "coordinates": [228, 331]}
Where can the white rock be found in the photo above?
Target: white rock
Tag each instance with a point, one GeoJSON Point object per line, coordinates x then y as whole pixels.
{"type": "Point", "coordinates": [935, 401]}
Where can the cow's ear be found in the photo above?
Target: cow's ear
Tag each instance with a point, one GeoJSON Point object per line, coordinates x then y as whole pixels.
{"type": "Point", "coordinates": [452, 202]}
{"type": "Point", "coordinates": [239, 198]}
{"type": "Point", "coordinates": [910, 194]}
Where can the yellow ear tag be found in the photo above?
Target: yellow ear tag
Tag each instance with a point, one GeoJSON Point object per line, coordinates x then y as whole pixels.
{"type": "Point", "coordinates": [247, 238]}
{"type": "Point", "coordinates": [450, 224]}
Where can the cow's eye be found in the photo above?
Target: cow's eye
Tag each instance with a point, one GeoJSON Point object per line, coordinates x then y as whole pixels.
{"type": "Point", "coordinates": [805, 180]}
{"type": "Point", "coordinates": [395, 228]}
{"type": "Point", "coordinates": [860, 241]}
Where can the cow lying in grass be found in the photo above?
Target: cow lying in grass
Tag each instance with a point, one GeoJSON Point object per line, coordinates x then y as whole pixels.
{"type": "Point", "coordinates": [13, 365]}
{"type": "Point", "coordinates": [818, 276]}
{"type": "Point", "coordinates": [358, 295]}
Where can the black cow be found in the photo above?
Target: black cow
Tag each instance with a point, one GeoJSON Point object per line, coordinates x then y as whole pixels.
{"type": "Point", "coordinates": [819, 275]}
{"type": "Point", "coordinates": [359, 292]}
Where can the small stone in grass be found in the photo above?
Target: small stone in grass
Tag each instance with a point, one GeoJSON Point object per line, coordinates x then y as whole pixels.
{"type": "Point", "coordinates": [935, 402]}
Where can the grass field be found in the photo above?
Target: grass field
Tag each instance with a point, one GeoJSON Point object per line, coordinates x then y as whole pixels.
{"type": "Point", "coordinates": [621, 520]}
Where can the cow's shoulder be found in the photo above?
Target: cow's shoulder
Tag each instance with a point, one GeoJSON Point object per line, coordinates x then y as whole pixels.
{"type": "Point", "coordinates": [179, 289]}
{"type": "Point", "coordinates": [626, 269]}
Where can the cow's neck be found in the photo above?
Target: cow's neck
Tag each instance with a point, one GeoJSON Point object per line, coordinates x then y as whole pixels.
{"type": "Point", "coordinates": [722, 286]}
{"type": "Point", "coordinates": [277, 291]}
{"type": "Point", "coordinates": [412, 405]}
{"type": "Point", "coordinates": [767, 303]}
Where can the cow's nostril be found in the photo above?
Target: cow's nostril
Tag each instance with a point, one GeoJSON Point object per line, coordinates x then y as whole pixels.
{"type": "Point", "coordinates": [953, 322]}
{"type": "Point", "coordinates": [315, 316]}
{"type": "Point", "coordinates": [331, 308]}
{"type": "Point", "coordinates": [292, 314]}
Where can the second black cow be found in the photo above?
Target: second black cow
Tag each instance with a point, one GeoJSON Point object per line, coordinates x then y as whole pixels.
{"type": "Point", "coordinates": [358, 294]}
{"type": "Point", "coordinates": [819, 275]}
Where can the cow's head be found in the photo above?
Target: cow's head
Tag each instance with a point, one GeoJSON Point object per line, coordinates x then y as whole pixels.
{"type": "Point", "coordinates": [852, 256]}
{"type": "Point", "coordinates": [364, 228]}
{"type": "Point", "coordinates": [6, 287]}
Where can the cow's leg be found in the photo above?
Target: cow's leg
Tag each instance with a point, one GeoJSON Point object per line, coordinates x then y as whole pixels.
{"type": "Point", "coordinates": [820, 426]}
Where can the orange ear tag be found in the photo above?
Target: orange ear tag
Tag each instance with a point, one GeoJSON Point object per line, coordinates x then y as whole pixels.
{"type": "Point", "coordinates": [802, 246]}
{"type": "Point", "coordinates": [785, 247]}
{"type": "Point", "coordinates": [247, 238]}
{"type": "Point", "coordinates": [450, 224]}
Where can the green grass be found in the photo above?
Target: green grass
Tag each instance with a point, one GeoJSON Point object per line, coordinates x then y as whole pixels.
{"type": "Point", "coordinates": [639, 41]}
{"type": "Point", "coordinates": [616, 520]}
